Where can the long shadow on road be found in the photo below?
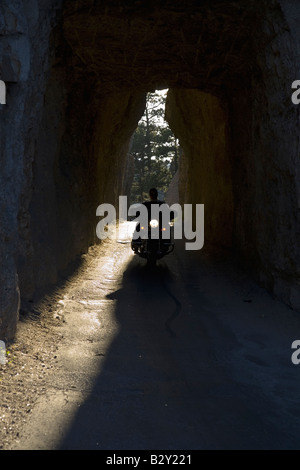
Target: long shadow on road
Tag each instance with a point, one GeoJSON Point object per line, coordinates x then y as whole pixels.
{"type": "Point", "coordinates": [177, 377]}
{"type": "Point", "coordinates": [132, 403]}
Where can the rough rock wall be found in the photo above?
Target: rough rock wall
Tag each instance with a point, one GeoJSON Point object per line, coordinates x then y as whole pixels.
{"type": "Point", "coordinates": [201, 124]}
{"type": "Point", "coordinates": [24, 67]}
{"type": "Point", "coordinates": [256, 169]}
{"type": "Point", "coordinates": [63, 147]}
{"type": "Point", "coordinates": [76, 81]}
{"type": "Point", "coordinates": [172, 195]}
{"type": "Point", "coordinates": [265, 151]}
{"type": "Point", "coordinates": [81, 149]}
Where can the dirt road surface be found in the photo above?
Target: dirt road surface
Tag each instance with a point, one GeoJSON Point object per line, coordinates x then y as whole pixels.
{"type": "Point", "coordinates": [196, 356]}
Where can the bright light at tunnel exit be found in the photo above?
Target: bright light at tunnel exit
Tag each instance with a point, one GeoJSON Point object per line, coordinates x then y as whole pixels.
{"type": "Point", "coordinates": [163, 93]}
{"type": "Point", "coordinates": [138, 213]}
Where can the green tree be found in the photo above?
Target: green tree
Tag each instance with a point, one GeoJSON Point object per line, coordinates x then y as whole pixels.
{"type": "Point", "coordinates": [155, 150]}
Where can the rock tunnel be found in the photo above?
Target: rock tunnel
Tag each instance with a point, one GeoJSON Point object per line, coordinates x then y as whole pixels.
{"type": "Point", "coordinates": [77, 73]}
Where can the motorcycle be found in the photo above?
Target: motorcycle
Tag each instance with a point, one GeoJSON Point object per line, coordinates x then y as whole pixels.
{"type": "Point", "coordinates": [152, 243]}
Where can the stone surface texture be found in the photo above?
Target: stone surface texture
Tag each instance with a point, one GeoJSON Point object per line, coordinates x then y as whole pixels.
{"type": "Point", "coordinates": [77, 72]}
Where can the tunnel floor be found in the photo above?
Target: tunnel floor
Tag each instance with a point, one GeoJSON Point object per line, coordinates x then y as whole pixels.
{"type": "Point", "coordinates": [195, 357]}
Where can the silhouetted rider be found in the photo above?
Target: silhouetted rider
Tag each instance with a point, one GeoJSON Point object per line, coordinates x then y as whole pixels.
{"type": "Point", "coordinates": [153, 193]}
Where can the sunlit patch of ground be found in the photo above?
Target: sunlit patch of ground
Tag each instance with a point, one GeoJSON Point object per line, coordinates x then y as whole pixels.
{"type": "Point", "coordinates": [32, 357]}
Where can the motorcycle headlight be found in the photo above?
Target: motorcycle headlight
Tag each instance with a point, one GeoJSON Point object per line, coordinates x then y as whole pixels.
{"type": "Point", "coordinates": [154, 223]}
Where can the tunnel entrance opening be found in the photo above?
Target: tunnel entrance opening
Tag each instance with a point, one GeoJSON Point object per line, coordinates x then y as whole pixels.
{"type": "Point", "coordinates": [200, 123]}
{"type": "Point", "coordinates": [209, 108]}
{"type": "Point", "coordinates": [154, 151]}
{"type": "Point", "coordinates": [228, 66]}
{"type": "Point", "coordinates": [216, 61]}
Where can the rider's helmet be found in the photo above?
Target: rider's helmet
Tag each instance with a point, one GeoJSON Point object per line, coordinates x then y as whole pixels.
{"type": "Point", "coordinates": [153, 193]}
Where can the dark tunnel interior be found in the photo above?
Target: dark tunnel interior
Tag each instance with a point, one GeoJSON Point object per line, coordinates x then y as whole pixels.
{"type": "Point", "coordinates": [225, 64]}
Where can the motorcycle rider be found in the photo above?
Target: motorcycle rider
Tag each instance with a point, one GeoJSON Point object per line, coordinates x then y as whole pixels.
{"type": "Point", "coordinates": [153, 193]}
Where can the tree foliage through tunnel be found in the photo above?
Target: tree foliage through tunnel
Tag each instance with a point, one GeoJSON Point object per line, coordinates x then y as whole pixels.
{"type": "Point", "coordinates": [155, 149]}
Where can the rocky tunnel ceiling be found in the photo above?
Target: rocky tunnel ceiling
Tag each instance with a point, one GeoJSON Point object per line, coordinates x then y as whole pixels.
{"type": "Point", "coordinates": [236, 148]}
{"type": "Point", "coordinates": [73, 107]}
{"type": "Point", "coordinates": [148, 45]}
